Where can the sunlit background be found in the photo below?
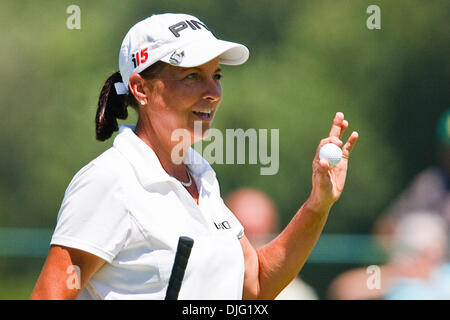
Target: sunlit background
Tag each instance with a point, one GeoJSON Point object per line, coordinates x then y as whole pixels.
{"type": "Point", "coordinates": [308, 59]}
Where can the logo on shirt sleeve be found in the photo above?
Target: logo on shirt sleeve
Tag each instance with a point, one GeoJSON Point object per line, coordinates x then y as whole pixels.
{"type": "Point", "coordinates": [224, 225]}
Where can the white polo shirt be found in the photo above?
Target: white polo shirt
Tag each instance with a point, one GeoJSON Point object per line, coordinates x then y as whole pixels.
{"type": "Point", "coordinates": [124, 208]}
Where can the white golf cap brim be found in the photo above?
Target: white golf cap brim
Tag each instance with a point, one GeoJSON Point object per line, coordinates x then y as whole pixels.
{"type": "Point", "coordinates": [202, 51]}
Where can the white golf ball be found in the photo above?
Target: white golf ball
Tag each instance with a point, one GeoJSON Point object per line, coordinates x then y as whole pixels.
{"type": "Point", "coordinates": [330, 152]}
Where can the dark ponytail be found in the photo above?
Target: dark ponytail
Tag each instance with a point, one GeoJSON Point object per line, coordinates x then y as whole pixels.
{"type": "Point", "coordinates": [112, 106]}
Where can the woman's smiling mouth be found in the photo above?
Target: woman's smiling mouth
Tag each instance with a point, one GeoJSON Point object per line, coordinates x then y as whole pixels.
{"type": "Point", "coordinates": [205, 115]}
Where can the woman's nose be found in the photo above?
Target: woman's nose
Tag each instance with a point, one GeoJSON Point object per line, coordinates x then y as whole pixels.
{"type": "Point", "coordinates": [213, 91]}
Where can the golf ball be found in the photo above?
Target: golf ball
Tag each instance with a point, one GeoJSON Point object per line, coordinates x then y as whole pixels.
{"type": "Point", "coordinates": [330, 152]}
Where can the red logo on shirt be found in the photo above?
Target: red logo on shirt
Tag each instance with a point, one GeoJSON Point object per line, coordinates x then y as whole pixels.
{"type": "Point", "coordinates": [139, 57]}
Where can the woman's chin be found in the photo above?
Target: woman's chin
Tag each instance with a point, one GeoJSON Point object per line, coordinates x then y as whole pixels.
{"type": "Point", "coordinates": [201, 135]}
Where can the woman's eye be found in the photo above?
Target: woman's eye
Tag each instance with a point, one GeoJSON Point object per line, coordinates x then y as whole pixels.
{"type": "Point", "coordinates": [196, 76]}
{"type": "Point", "coordinates": [192, 76]}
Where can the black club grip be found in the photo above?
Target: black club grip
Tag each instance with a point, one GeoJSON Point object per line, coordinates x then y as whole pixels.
{"type": "Point", "coordinates": [179, 267]}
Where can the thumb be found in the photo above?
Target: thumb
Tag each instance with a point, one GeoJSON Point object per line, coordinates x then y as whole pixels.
{"type": "Point", "coordinates": [322, 168]}
{"type": "Point", "coordinates": [323, 165]}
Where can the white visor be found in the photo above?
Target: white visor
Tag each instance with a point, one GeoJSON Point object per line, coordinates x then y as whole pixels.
{"type": "Point", "coordinates": [178, 39]}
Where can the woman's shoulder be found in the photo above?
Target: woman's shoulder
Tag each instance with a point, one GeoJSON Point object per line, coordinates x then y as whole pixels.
{"type": "Point", "coordinates": [111, 161]}
{"type": "Point", "coordinates": [106, 169]}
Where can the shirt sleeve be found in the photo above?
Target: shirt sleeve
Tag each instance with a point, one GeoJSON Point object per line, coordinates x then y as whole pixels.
{"type": "Point", "coordinates": [93, 216]}
{"type": "Point", "coordinates": [236, 226]}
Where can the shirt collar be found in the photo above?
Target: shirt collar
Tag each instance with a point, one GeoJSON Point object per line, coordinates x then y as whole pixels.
{"type": "Point", "coordinates": [146, 164]}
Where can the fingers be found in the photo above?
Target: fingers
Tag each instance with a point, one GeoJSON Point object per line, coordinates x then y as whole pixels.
{"type": "Point", "coordinates": [343, 127]}
{"type": "Point", "coordinates": [322, 142]}
{"type": "Point", "coordinates": [339, 125]}
{"type": "Point", "coordinates": [350, 144]}
{"type": "Point", "coordinates": [337, 130]}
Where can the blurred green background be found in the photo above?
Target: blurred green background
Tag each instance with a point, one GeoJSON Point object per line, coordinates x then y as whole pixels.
{"type": "Point", "coordinates": [308, 60]}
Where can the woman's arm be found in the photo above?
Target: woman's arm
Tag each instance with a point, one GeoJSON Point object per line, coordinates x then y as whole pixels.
{"type": "Point", "coordinates": [271, 268]}
{"type": "Point", "coordinates": [58, 279]}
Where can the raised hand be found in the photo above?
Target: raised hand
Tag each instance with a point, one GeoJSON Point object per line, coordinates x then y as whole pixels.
{"type": "Point", "coordinates": [328, 182]}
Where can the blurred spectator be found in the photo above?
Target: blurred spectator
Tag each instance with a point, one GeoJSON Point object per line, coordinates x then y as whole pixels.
{"type": "Point", "coordinates": [429, 190]}
{"type": "Point", "coordinates": [417, 267]}
{"type": "Point", "coordinates": [419, 249]}
{"type": "Point", "coordinates": [259, 216]}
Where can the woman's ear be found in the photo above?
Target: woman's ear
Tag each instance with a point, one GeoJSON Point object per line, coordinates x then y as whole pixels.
{"type": "Point", "coordinates": [136, 85]}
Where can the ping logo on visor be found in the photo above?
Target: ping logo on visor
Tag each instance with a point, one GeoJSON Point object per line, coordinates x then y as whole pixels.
{"type": "Point", "coordinates": [139, 57]}
{"type": "Point", "coordinates": [193, 24]}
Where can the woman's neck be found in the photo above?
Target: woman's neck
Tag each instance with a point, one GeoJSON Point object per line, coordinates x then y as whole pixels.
{"type": "Point", "coordinates": [163, 149]}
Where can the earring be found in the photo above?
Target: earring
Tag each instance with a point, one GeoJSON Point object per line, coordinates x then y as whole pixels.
{"type": "Point", "coordinates": [142, 102]}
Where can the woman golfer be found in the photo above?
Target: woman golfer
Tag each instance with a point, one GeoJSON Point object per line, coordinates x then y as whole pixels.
{"type": "Point", "coordinates": [123, 213]}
